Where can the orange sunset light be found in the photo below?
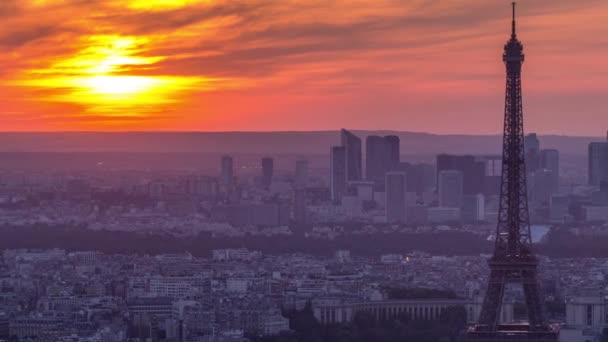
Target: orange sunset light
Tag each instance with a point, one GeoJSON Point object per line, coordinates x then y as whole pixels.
{"type": "Point", "coordinates": [295, 65]}
{"type": "Point", "coordinates": [99, 78]}
{"type": "Point", "coordinates": [160, 4]}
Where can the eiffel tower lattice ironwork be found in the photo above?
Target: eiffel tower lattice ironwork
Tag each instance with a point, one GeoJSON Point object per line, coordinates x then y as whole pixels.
{"type": "Point", "coordinates": [513, 260]}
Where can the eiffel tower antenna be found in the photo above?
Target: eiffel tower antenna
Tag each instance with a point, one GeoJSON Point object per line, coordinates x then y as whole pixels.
{"type": "Point", "coordinates": [513, 34]}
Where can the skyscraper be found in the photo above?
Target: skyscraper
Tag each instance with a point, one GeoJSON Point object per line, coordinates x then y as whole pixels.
{"type": "Point", "coordinates": [375, 158]}
{"type": "Point", "coordinates": [337, 167]}
{"type": "Point", "coordinates": [492, 178]}
{"type": "Point", "coordinates": [473, 208]}
{"type": "Point", "coordinates": [420, 178]}
{"type": "Point", "coordinates": [352, 146]}
{"type": "Point", "coordinates": [267, 171]}
{"type": "Point", "coordinates": [450, 189]}
{"type": "Point", "coordinates": [549, 160]}
{"type": "Point", "coordinates": [227, 175]}
{"type": "Point", "coordinates": [598, 162]}
{"type": "Point", "coordinates": [542, 188]}
{"type": "Point", "coordinates": [473, 171]}
{"type": "Point", "coordinates": [396, 197]}
{"type": "Point", "coordinates": [382, 156]}
{"type": "Point", "coordinates": [532, 152]}
{"type": "Point", "coordinates": [394, 151]}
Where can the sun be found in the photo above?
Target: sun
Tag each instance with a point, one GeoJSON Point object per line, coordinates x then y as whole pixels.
{"type": "Point", "coordinates": [113, 76]}
{"type": "Point", "coordinates": [105, 66]}
{"type": "Point", "coordinates": [120, 85]}
{"type": "Point", "coordinates": [104, 72]}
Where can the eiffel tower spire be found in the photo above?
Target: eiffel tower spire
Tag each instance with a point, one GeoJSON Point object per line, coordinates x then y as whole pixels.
{"type": "Point", "coordinates": [513, 34]}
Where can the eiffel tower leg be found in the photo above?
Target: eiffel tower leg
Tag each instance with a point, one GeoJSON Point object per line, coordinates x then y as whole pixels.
{"type": "Point", "coordinates": [492, 304]}
{"type": "Point", "coordinates": [533, 299]}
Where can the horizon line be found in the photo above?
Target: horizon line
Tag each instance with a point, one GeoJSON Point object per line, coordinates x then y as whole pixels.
{"type": "Point", "coordinates": [284, 131]}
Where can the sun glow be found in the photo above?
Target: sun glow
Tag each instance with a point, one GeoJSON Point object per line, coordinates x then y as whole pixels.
{"type": "Point", "coordinates": [158, 5]}
{"type": "Point", "coordinates": [105, 77]}
{"type": "Point", "coordinates": [109, 54]}
{"type": "Point", "coordinates": [124, 85]}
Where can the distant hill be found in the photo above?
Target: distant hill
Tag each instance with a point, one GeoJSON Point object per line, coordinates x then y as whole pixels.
{"type": "Point", "coordinates": [300, 142]}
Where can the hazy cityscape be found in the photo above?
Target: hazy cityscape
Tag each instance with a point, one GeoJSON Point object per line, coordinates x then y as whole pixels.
{"type": "Point", "coordinates": [110, 252]}
{"type": "Point", "coordinates": [345, 235]}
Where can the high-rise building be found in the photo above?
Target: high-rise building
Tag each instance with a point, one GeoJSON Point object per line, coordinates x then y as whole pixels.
{"type": "Point", "coordinates": [600, 197]}
{"type": "Point", "coordinates": [353, 152]}
{"type": "Point", "coordinates": [549, 160]}
{"type": "Point", "coordinates": [301, 177]}
{"type": "Point", "coordinates": [227, 176]}
{"type": "Point", "coordinates": [267, 171]}
{"type": "Point", "coordinates": [362, 190]}
{"type": "Point", "coordinates": [394, 151]}
{"type": "Point", "coordinates": [450, 188]}
{"type": "Point", "coordinates": [541, 188]}
{"type": "Point", "coordinates": [382, 156]}
{"type": "Point", "coordinates": [420, 178]}
{"type": "Point", "coordinates": [337, 166]}
{"type": "Point", "coordinates": [473, 171]}
{"type": "Point", "coordinates": [473, 208]}
{"type": "Point", "coordinates": [396, 197]}
{"type": "Point", "coordinates": [492, 179]}
{"type": "Point", "coordinates": [375, 158]}
{"type": "Point", "coordinates": [532, 152]}
{"type": "Point", "coordinates": [598, 162]}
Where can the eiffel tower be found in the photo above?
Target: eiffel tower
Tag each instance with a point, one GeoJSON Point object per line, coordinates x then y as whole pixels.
{"type": "Point", "coordinates": [513, 260]}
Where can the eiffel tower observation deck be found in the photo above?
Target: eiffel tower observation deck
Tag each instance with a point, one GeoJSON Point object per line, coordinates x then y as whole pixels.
{"type": "Point", "coordinates": [513, 261]}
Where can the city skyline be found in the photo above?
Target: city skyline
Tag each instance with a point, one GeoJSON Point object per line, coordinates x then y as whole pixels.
{"type": "Point", "coordinates": [214, 66]}
{"type": "Point", "coordinates": [136, 232]}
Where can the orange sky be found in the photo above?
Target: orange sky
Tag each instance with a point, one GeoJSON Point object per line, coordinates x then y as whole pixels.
{"type": "Point", "coordinates": [210, 65]}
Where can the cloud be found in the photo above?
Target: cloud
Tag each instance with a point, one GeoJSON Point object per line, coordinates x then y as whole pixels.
{"type": "Point", "coordinates": [13, 39]}
{"type": "Point", "coordinates": [311, 48]}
